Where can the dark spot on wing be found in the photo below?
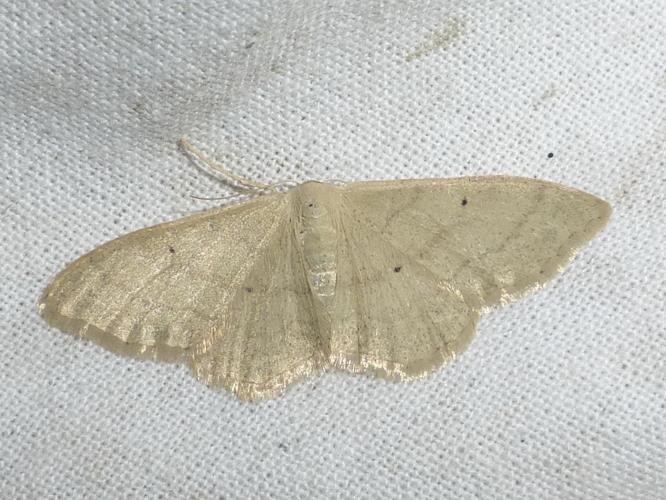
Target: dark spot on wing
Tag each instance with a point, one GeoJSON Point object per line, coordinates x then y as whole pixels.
{"type": "Point", "coordinates": [397, 269]}
{"type": "Point", "coordinates": [172, 250]}
{"type": "Point", "coordinates": [550, 155]}
{"type": "Point", "coordinates": [310, 205]}
{"type": "Point", "coordinates": [463, 202]}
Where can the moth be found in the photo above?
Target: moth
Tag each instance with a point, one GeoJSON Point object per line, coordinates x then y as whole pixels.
{"type": "Point", "coordinates": [382, 277]}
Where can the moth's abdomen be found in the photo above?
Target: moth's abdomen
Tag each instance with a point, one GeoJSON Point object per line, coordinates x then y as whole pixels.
{"type": "Point", "coordinates": [318, 238]}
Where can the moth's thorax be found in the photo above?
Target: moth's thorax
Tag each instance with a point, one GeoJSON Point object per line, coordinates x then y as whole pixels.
{"type": "Point", "coordinates": [315, 206]}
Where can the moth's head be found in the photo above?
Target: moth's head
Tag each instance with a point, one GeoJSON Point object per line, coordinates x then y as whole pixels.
{"type": "Point", "coordinates": [314, 197]}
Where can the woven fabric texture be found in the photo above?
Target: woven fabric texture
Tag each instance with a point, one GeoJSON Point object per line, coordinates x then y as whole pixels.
{"type": "Point", "coordinates": [560, 395]}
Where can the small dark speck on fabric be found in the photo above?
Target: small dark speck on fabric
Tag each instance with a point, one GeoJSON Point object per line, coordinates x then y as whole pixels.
{"type": "Point", "coordinates": [463, 202]}
{"type": "Point", "coordinates": [397, 269]}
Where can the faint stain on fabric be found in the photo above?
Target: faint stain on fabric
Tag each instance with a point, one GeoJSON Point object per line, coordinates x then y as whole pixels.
{"type": "Point", "coordinates": [139, 108]}
{"type": "Point", "coordinates": [440, 39]}
{"type": "Point", "coordinates": [624, 191]}
{"type": "Point", "coordinates": [7, 208]}
{"type": "Point", "coordinates": [662, 81]}
{"type": "Point", "coordinates": [251, 40]}
{"type": "Point", "coordinates": [546, 96]}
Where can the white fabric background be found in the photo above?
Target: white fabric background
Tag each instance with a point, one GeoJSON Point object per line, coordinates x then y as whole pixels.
{"type": "Point", "coordinates": [559, 396]}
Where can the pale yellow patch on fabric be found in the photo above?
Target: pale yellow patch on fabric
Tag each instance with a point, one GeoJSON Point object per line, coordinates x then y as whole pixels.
{"type": "Point", "coordinates": [440, 39]}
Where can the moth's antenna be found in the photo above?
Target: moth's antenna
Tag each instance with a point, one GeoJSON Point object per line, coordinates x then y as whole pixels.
{"type": "Point", "coordinates": [213, 198]}
{"type": "Point", "coordinates": [186, 146]}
